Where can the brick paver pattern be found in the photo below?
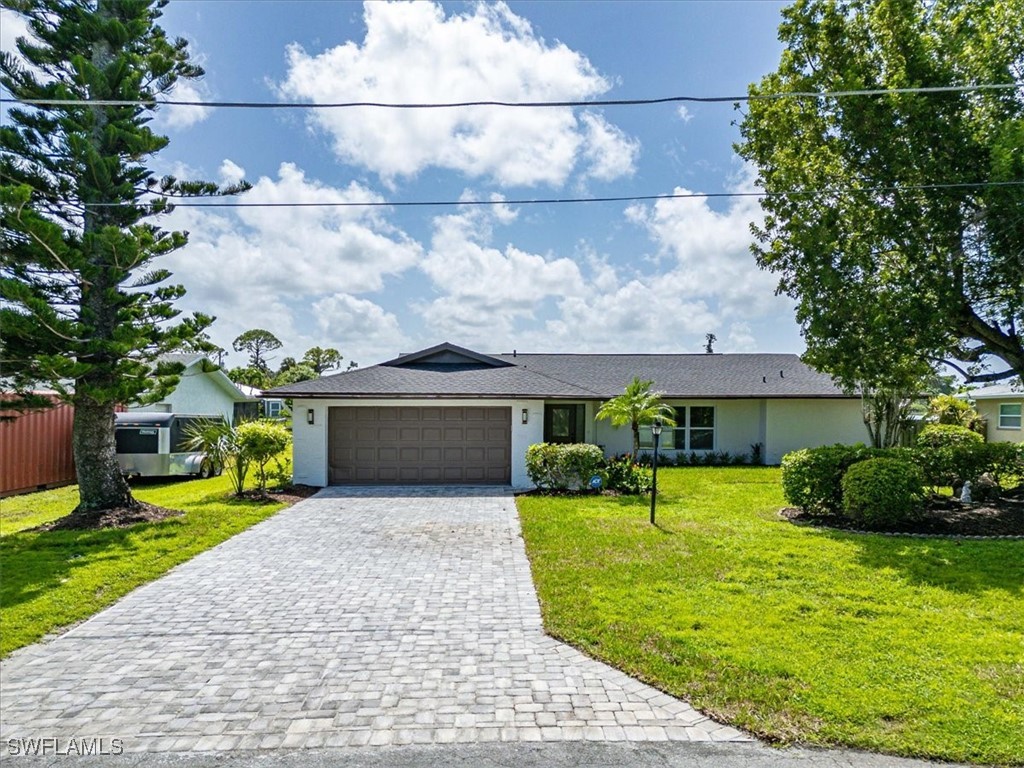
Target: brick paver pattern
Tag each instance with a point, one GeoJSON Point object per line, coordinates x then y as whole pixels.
{"type": "Point", "coordinates": [354, 618]}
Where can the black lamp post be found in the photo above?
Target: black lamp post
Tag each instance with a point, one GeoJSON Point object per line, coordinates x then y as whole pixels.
{"type": "Point", "coordinates": [656, 433]}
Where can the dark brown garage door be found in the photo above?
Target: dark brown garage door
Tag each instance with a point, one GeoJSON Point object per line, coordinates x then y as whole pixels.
{"type": "Point", "coordinates": [410, 446]}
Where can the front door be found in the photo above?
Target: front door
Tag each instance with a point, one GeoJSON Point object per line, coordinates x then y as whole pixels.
{"type": "Point", "coordinates": [564, 423]}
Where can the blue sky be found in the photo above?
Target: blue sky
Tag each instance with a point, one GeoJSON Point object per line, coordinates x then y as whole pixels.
{"type": "Point", "coordinates": [652, 277]}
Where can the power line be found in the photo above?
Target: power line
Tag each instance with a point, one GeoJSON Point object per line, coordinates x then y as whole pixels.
{"type": "Point", "coordinates": [530, 104]}
{"type": "Point", "coordinates": [567, 200]}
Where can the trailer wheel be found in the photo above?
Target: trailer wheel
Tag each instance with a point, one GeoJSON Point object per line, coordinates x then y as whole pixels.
{"type": "Point", "coordinates": [205, 469]}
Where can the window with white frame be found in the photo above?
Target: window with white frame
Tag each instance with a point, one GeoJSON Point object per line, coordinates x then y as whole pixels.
{"type": "Point", "coordinates": [1009, 415]}
{"type": "Point", "coordinates": [694, 430]}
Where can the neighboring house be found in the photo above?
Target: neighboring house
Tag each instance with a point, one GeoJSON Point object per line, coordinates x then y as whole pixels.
{"type": "Point", "coordinates": [451, 415]}
{"type": "Point", "coordinates": [206, 390]}
{"type": "Point", "coordinates": [1002, 407]}
{"type": "Point", "coordinates": [269, 407]}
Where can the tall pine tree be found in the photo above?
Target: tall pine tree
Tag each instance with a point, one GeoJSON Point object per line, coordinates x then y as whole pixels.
{"type": "Point", "coordinates": [83, 309]}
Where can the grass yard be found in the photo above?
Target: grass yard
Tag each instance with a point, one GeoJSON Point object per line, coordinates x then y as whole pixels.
{"type": "Point", "coordinates": [911, 646]}
{"type": "Point", "coordinates": [53, 579]}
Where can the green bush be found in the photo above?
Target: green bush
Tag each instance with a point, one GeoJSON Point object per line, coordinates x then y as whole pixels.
{"type": "Point", "coordinates": [623, 474]}
{"type": "Point", "coordinates": [883, 492]}
{"type": "Point", "coordinates": [947, 436]}
{"type": "Point", "coordinates": [566, 467]}
{"type": "Point", "coordinates": [812, 477]}
{"type": "Point", "coordinates": [259, 442]}
{"type": "Point", "coordinates": [950, 464]}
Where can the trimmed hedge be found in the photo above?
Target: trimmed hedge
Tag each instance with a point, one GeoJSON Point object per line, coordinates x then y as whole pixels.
{"type": "Point", "coordinates": [883, 492]}
{"type": "Point", "coordinates": [948, 436]}
{"type": "Point", "coordinates": [563, 467]}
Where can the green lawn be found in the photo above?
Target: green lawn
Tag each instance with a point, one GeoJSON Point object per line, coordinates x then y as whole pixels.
{"type": "Point", "coordinates": [895, 644]}
{"type": "Point", "coordinates": [53, 579]}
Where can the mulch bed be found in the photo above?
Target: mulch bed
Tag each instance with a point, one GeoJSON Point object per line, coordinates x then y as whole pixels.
{"type": "Point", "coordinates": [120, 517]}
{"type": "Point", "coordinates": [123, 517]}
{"type": "Point", "coordinates": [943, 516]}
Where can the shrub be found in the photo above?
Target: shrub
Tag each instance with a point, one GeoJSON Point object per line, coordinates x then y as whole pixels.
{"type": "Point", "coordinates": [563, 467]}
{"type": "Point", "coordinates": [623, 474]}
{"type": "Point", "coordinates": [812, 477]}
{"type": "Point", "coordinates": [949, 409]}
{"type": "Point", "coordinates": [259, 442]}
{"type": "Point", "coordinates": [954, 464]}
{"type": "Point", "coordinates": [883, 492]}
{"type": "Point", "coordinates": [947, 436]}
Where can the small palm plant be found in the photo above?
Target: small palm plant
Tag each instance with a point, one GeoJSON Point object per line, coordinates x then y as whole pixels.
{"type": "Point", "coordinates": [219, 441]}
{"type": "Point", "coordinates": [637, 406]}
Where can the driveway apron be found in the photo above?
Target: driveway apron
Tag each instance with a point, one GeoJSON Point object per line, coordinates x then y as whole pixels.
{"type": "Point", "coordinates": [357, 617]}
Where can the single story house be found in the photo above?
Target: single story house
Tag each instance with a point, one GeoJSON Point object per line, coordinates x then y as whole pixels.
{"type": "Point", "coordinates": [1002, 407]}
{"type": "Point", "coordinates": [451, 415]}
{"type": "Point", "coordinates": [204, 389]}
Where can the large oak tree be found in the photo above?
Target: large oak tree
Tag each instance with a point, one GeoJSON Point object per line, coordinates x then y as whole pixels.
{"type": "Point", "coordinates": [84, 309]}
{"type": "Point", "coordinates": [896, 221]}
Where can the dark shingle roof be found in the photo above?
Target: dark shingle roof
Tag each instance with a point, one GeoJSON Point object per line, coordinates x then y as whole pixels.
{"type": "Point", "coordinates": [447, 371]}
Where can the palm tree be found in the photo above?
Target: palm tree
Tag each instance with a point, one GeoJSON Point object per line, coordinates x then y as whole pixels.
{"type": "Point", "coordinates": [637, 406]}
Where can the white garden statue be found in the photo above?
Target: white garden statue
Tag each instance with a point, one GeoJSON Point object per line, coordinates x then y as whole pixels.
{"type": "Point", "coordinates": [965, 494]}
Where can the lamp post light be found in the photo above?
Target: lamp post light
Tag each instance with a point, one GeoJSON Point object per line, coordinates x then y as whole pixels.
{"type": "Point", "coordinates": [656, 433]}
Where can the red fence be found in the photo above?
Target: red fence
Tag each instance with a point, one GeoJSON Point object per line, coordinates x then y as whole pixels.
{"type": "Point", "coordinates": [35, 449]}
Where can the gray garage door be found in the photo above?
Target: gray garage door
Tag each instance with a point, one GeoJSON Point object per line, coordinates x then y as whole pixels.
{"type": "Point", "coordinates": [410, 446]}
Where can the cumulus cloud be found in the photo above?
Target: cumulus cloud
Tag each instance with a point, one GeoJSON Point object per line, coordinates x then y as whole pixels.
{"type": "Point", "coordinates": [360, 326]}
{"type": "Point", "coordinates": [486, 290]}
{"type": "Point", "coordinates": [414, 53]}
{"type": "Point", "coordinates": [182, 117]}
{"type": "Point", "coordinates": [268, 267]}
{"type": "Point", "coordinates": [708, 251]}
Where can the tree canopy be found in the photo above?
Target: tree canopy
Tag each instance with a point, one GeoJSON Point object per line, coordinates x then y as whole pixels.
{"type": "Point", "coordinates": [896, 221]}
{"type": "Point", "coordinates": [257, 343]}
{"type": "Point", "coordinates": [84, 310]}
{"type": "Point", "coordinates": [322, 359]}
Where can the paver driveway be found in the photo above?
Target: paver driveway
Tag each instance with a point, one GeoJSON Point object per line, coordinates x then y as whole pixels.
{"type": "Point", "coordinates": [357, 617]}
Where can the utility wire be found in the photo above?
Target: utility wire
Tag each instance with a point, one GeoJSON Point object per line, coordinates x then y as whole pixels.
{"type": "Point", "coordinates": [564, 200]}
{"type": "Point", "coordinates": [530, 104]}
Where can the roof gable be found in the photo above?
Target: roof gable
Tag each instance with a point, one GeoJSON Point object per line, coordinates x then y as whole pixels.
{"type": "Point", "coordinates": [444, 355]}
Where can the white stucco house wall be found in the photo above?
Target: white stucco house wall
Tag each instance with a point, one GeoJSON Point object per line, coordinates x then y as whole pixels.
{"type": "Point", "coordinates": [1002, 407]}
{"type": "Point", "coordinates": [204, 389]}
{"type": "Point", "coordinates": [451, 415]}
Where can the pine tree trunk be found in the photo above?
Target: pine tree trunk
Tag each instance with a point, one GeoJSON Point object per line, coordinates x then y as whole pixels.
{"type": "Point", "coordinates": [100, 482]}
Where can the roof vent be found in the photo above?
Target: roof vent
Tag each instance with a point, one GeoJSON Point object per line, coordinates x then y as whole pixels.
{"type": "Point", "coordinates": [782, 375]}
{"type": "Point", "coordinates": [764, 379]}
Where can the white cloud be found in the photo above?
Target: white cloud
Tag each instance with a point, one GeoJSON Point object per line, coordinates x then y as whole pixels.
{"type": "Point", "coordinates": [266, 267]}
{"type": "Point", "coordinates": [356, 326]}
{"type": "Point", "coordinates": [413, 53]}
{"type": "Point", "coordinates": [709, 251]}
{"type": "Point", "coordinates": [181, 117]}
{"type": "Point", "coordinates": [684, 114]}
{"type": "Point", "coordinates": [12, 26]}
{"type": "Point", "coordinates": [485, 291]}
{"type": "Point", "coordinates": [610, 153]}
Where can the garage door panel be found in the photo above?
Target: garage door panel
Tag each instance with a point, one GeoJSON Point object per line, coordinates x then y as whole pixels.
{"type": "Point", "coordinates": [385, 444]}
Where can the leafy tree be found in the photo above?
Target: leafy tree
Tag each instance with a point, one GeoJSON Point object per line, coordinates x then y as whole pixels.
{"type": "Point", "coordinates": [896, 221]}
{"type": "Point", "coordinates": [250, 377]}
{"type": "Point", "coordinates": [84, 310]}
{"type": "Point", "coordinates": [297, 372]}
{"type": "Point", "coordinates": [636, 406]}
{"type": "Point", "coordinates": [322, 359]}
{"type": "Point", "coordinates": [257, 343]}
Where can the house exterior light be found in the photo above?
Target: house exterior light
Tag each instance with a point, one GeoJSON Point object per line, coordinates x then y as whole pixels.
{"type": "Point", "coordinates": [310, 415]}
